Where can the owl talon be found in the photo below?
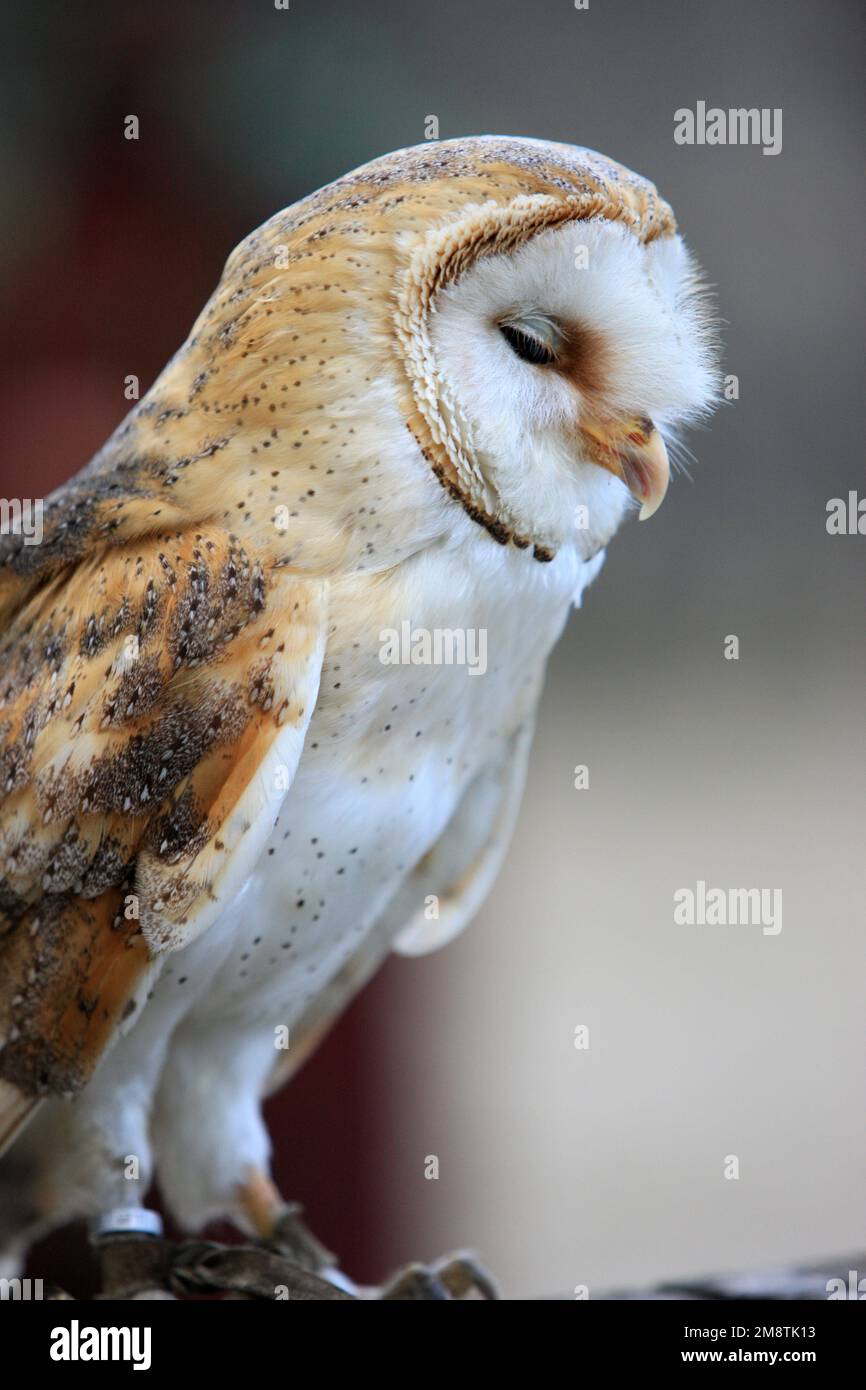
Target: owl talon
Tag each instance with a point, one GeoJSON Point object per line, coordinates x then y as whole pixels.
{"type": "Point", "coordinates": [291, 1237]}
{"type": "Point", "coordinates": [451, 1277]}
{"type": "Point", "coordinates": [462, 1274]}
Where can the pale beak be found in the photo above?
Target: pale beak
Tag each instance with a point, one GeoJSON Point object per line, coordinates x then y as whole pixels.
{"type": "Point", "coordinates": [634, 451]}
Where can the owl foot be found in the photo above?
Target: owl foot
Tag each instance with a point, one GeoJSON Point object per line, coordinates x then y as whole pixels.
{"type": "Point", "coordinates": [451, 1277]}
{"type": "Point", "coordinates": [291, 1237]}
{"type": "Point", "coordinates": [281, 1231]}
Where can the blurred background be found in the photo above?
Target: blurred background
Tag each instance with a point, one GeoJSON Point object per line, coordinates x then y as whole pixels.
{"type": "Point", "coordinates": [564, 1167]}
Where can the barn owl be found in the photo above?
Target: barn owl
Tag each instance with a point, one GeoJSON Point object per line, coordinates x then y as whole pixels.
{"type": "Point", "coordinates": [420, 401]}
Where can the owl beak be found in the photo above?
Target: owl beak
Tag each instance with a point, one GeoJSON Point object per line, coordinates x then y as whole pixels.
{"type": "Point", "coordinates": [634, 451]}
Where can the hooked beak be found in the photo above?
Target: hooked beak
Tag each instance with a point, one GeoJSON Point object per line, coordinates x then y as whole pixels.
{"type": "Point", "coordinates": [634, 451]}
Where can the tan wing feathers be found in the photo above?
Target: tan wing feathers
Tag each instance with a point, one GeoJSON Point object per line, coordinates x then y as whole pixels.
{"type": "Point", "coordinates": [148, 697]}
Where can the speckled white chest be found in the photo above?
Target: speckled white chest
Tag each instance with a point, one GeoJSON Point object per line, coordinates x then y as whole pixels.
{"type": "Point", "coordinates": [389, 753]}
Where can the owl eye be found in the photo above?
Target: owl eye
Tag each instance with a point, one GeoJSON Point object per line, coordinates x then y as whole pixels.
{"type": "Point", "coordinates": [532, 340]}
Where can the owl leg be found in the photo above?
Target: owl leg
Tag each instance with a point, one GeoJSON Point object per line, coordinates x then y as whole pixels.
{"type": "Point", "coordinates": [84, 1158]}
{"type": "Point", "coordinates": [91, 1156]}
{"type": "Point", "coordinates": [213, 1149]}
{"type": "Point", "coordinates": [80, 1157]}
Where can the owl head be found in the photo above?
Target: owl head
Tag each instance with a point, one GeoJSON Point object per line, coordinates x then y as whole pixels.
{"type": "Point", "coordinates": [554, 333]}
{"type": "Point", "coordinates": [491, 337]}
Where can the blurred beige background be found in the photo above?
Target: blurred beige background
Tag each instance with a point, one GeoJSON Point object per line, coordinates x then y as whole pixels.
{"type": "Point", "coordinates": [563, 1167]}
{"type": "Point", "coordinates": [606, 1166]}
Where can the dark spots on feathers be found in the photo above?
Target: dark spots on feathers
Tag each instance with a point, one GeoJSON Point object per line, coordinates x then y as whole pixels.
{"type": "Point", "coordinates": [260, 685]}
{"type": "Point", "coordinates": [136, 692]}
{"type": "Point", "coordinates": [149, 765]}
{"type": "Point", "coordinates": [26, 655]}
{"type": "Point", "coordinates": [211, 611]}
{"type": "Point", "coordinates": [108, 867]}
{"type": "Point", "coordinates": [67, 865]}
{"type": "Point", "coordinates": [180, 831]}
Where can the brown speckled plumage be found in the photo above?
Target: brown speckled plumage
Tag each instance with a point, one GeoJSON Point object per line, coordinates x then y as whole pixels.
{"type": "Point", "coordinates": [119, 772]}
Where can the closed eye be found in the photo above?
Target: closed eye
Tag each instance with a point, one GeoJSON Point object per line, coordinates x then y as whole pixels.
{"type": "Point", "coordinates": [532, 341]}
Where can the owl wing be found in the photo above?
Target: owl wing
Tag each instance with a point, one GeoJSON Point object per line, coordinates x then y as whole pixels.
{"type": "Point", "coordinates": [458, 873]}
{"type": "Point", "coordinates": [154, 700]}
